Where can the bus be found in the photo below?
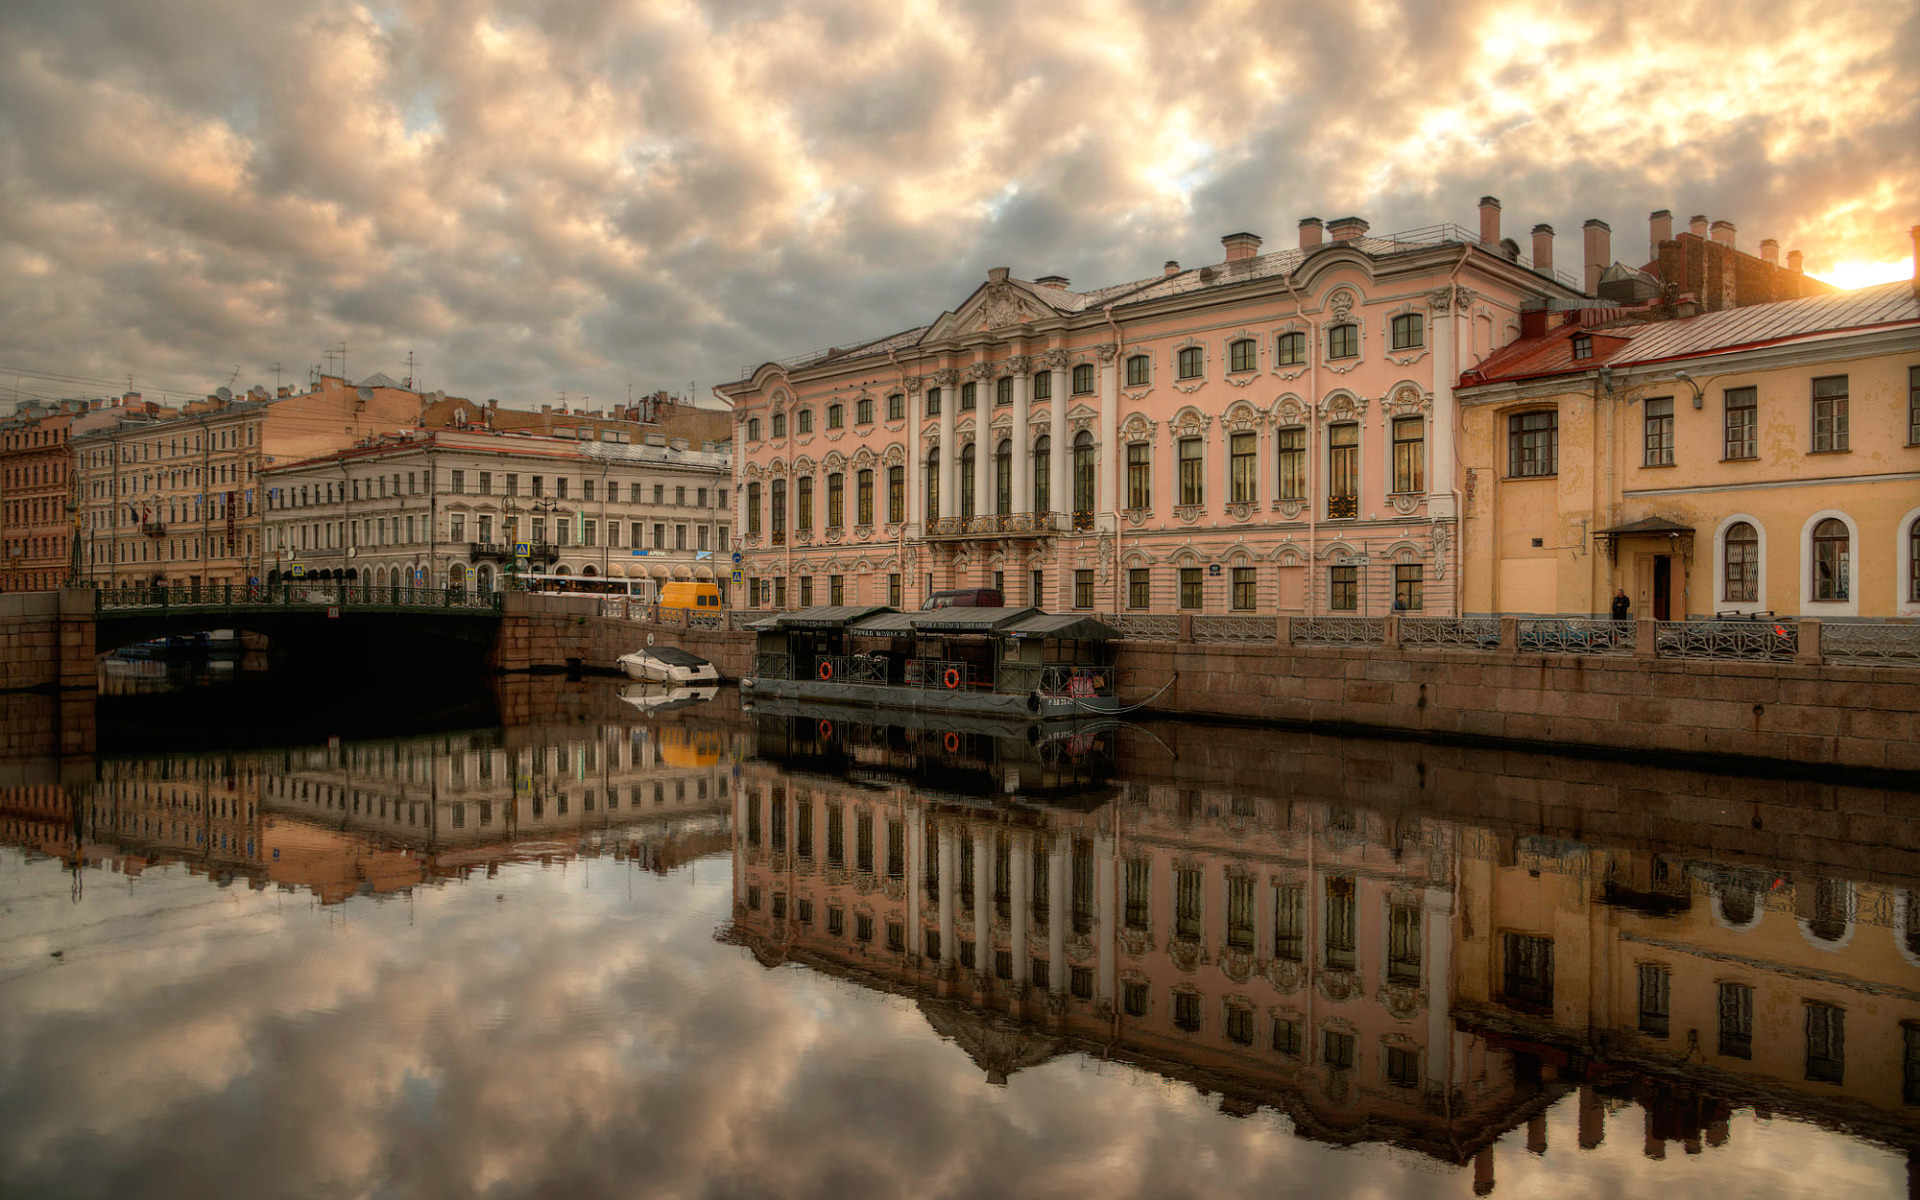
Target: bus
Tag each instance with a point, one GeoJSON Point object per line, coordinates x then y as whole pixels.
{"type": "Point", "coordinates": [585, 585]}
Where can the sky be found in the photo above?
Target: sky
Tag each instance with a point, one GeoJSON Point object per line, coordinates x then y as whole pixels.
{"type": "Point", "coordinates": [581, 196]}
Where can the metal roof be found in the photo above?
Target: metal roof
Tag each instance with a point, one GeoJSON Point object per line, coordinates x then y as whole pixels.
{"type": "Point", "coordinates": [1063, 625]}
{"type": "Point", "coordinates": [970, 620]}
{"type": "Point", "coordinates": [823, 616]}
{"type": "Point", "coordinates": [1882, 304]}
{"type": "Point", "coordinates": [883, 624]}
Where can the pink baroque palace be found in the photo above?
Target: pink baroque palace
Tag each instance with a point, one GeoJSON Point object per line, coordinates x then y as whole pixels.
{"type": "Point", "coordinates": [1270, 433]}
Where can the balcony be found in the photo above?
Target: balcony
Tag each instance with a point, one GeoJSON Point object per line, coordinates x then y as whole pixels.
{"type": "Point", "coordinates": [154, 529]}
{"type": "Point", "coordinates": [1341, 508]}
{"type": "Point", "coordinates": [503, 551]}
{"type": "Point", "coordinates": [997, 525]}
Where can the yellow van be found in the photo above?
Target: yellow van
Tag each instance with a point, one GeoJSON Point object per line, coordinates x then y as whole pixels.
{"type": "Point", "coordinates": [693, 597]}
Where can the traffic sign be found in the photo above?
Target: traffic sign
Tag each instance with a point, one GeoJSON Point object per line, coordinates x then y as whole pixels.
{"type": "Point", "coordinates": [736, 556]}
{"type": "Point", "coordinates": [736, 577]}
{"type": "Point", "coordinates": [522, 549]}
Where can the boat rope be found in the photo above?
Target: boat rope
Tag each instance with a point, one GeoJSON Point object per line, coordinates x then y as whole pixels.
{"type": "Point", "coordinates": [1078, 703]}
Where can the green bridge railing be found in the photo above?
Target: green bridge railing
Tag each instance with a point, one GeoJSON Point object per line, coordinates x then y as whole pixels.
{"type": "Point", "coordinates": [293, 595]}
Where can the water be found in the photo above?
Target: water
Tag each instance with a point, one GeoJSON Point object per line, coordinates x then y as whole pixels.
{"type": "Point", "coordinates": [540, 942]}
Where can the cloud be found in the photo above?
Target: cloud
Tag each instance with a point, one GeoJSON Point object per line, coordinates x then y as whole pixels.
{"type": "Point", "coordinates": [541, 197]}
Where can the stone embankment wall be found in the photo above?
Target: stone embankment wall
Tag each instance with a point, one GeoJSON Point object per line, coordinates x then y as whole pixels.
{"type": "Point", "coordinates": [46, 640]}
{"type": "Point", "coordinates": [554, 632]}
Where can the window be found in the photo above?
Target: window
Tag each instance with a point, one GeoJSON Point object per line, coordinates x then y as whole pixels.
{"type": "Point", "coordinates": [1240, 355]}
{"type": "Point", "coordinates": [1080, 983]}
{"type": "Point", "coordinates": [1832, 549]}
{"type": "Point", "coordinates": [1341, 922]}
{"type": "Point", "coordinates": [1243, 451]}
{"type": "Point", "coordinates": [1192, 591]}
{"type": "Point", "coordinates": [779, 430]}
{"type": "Point", "coordinates": [1830, 413]}
{"type": "Point", "coordinates": [863, 496]}
{"type": "Point", "coordinates": [1913, 406]}
{"type": "Point", "coordinates": [1409, 454]}
{"type": "Point", "coordinates": [1289, 922]}
{"type": "Point", "coordinates": [1736, 1020]}
{"type": "Point", "coordinates": [836, 920]}
{"type": "Point", "coordinates": [1582, 346]}
{"type": "Point", "coordinates": [1741, 577]}
{"type": "Point", "coordinates": [1083, 469]}
{"type": "Point", "coordinates": [836, 416]}
{"type": "Point", "coordinates": [1826, 1043]}
{"type": "Point", "coordinates": [967, 460]}
{"type": "Point", "coordinates": [1139, 476]}
{"type": "Point", "coordinates": [1403, 944]}
{"type": "Point", "coordinates": [1343, 469]}
{"type": "Point", "coordinates": [1343, 589]}
{"type": "Point", "coordinates": [1137, 365]}
{"type": "Point", "coordinates": [1139, 587]}
{"type": "Point", "coordinates": [1343, 341]}
{"type": "Point", "coordinates": [1656, 1005]}
{"type": "Point", "coordinates": [803, 502]}
{"type": "Point", "coordinates": [1288, 1036]}
{"type": "Point", "coordinates": [969, 397]}
{"type": "Point", "coordinates": [1533, 444]}
{"type": "Point", "coordinates": [933, 402]}
{"type": "Point", "coordinates": [1293, 463]}
{"type": "Point", "coordinates": [1290, 349]}
{"type": "Point", "coordinates": [1003, 477]}
{"type": "Point", "coordinates": [1043, 385]}
{"type": "Point", "coordinates": [931, 490]}
{"type": "Point", "coordinates": [893, 590]}
{"type": "Point", "coordinates": [1192, 471]}
{"type": "Point", "coordinates": [1913, 560]}
{"type": "Point", "coordinates": [1409, 581]}
{"type": "Point", "coordinates": [1245, 589]}
{"type": "Point", "coordinates": [1529, 970]}
{"type": "Point", "coordinates": [1240, 1024]}
{"type": "Point", "coordinates": [1240, 916]}
{"type": "Point", "coordinates": [1186, 1011]}
{"type": "Point", "coordinates": [803, 421]}
{"type": "Point", "coordinates": [863, 410]}
{"type": "Point", "coordinates": [753, 511]}
{"type": "Point", "coordinates": [1742, 421]}
{"type": "Point", "coordinates": [806, 591]}
{"type": "Point", "coordinates": [897, 407]}
{"type": "Point", "coordinates": [1083, 589]}
{"type": "Point", "coordinates": [1409, 332]}
{"type": "Point", "coordinates": [1139, 894]}
{"type": "Point", "coordinates": [836, 500]}
{"type": "Point", "coordinates": [1082, 379]}
{"type": "Point", "coordinates": [457, 482]}
{"type": "Point", "coordinates": [896, 494]}
{"type": "Point", "coordinates": [1658, 415]}
{"type": "Point", "coordinates": [1133, 998]}
{"type": "Point", "coordinates": [1003, 390]}
{"type": "Point", "coordinates": [1336, 1049]}
{"type": "Point", "coordinates": [1042, 473]}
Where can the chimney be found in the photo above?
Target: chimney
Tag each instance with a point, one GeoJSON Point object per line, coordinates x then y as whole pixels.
{"type": "Point", "coordinates": [545, 409]}
{"type": "Point", "coordinates": [1599, 245]}
{"type": "Point", "coordinates": [1310, 233]}
{"type": "Point", "coordinates": [1659, 229]}
{"type": "Point", "coordinates": [1058, 281]}
{"type": "Point", "coordinates": [1543, 249]}
{"type": "Point", "coordinates": [1489, 221]}
{"type": "Point", "coordinates": [1793, 262]}
{"type": "Point", "coordinates": [1770, 252]}
{"type": "Point", "coordinates": [1697, 225]}
{"type": "Point", "coordinates": [1241, 246]}
{"type": "Point", "coordinates": [285, 390]}
{"type": "Point", "coordinates": [1347, 229]}
{"type": "Point", "coordinates": [1723, 233]}
{"type": "Point", "coordinates": [1172, 267]}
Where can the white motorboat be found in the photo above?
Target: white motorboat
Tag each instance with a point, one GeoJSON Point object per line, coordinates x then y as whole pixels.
{"type": "Point", "coordinates": [666, 699]}
{"type": "Point", "coordinates": [668, 664]}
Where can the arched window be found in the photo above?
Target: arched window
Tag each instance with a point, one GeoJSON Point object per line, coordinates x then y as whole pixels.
{"type": "Point", "coordinates": [836, 500]}
{"type": "Point", "coordinates": [1832, 552]}
{"type": "Point", "coordinates": [967, 462]}
{"type": "Point", "coordinates": [483, 577]}
{"type": "Point", "coordinates": [1043, 385]}
{"type": "Point", "coordinates": [1043, 474]}
{"type": "Point", "coordinates": [1191, 362]}
{"type": "Point", "coordinates": [1343, 341]}
{"type": "Point", "coordinates": [1832, 910]}
{"type": "Point", "coordinates": [1003, 477]}
{"type": "Point", "coordinates": [753, 509]}
{"type": "Point", "coordinates": [1740, 583]}
{"type": "Point", "coordinates": [968, 397]}
{"type": "Point", "coordinates": [1137, 366]}
{"type": "Point", "coordinates": [1082, 475]}
{"type": "Point", "coordinates": [1083, 379]}
{"type": "Point", "coordinates": [1240, 355]}
{"type": "Point", "coordinates": [933, 485]}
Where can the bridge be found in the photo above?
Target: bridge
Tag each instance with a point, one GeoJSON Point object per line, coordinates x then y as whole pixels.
{"type": "Point", "coordinates": [301, 616]}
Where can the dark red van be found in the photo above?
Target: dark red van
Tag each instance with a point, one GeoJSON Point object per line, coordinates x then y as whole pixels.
{"type": "Point", "coordinates": [965, 598]}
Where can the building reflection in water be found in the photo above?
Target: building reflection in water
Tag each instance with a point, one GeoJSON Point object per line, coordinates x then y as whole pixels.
{"type": "Point", "coordinates": [1374, 975]}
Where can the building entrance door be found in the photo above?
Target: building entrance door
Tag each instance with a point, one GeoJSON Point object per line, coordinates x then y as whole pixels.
{"type": "Point", "coordinates": [1662, 587]}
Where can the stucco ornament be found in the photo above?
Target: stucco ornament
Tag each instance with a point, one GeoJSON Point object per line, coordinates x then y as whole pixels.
{"type": "Point", "coordinates": [1055, 360]}
{"type": "Point", "coordinates": [1285, 975]}
{"type": "Point", "coordinates": [1105, 351]}
{"type": "Point", "coordinates": [1240, 512]}
{"type": "Point", "coordinates": [1440, 539]}
{"type": "Point", "coordinates": [912, 384]}
{"type": "Point", "coordinates": [1404, 503]}
{"type": "Point", "coordinates": [1020, 364]}
{"type": "Point", "coordinates": [1237, 965]}
{"type": "Point", "coordinates": [946, 377]}
{"type": "Point", "coordinates": [1402, 1001]}
{"type": "Point", "coordinates": [1136, 942]}
{"type": "Point", "coordinates": [980, 372]}
{"type": "Point", "coordinates": [1339, 985]}
{"type": "Point", "coordinates": [1343, 406]}
{"type": "Point", "coordinates": [1289, 509]}
{"type": "Point", "coordinates": [1340, 300]}
{"type": "Point", "coordinates": [1186, 954]}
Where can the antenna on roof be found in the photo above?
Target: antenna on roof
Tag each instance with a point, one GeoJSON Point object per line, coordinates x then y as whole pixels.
{"type": "Point", "coordinates": [276, 378]}
{"type": "Point", "coordinates": [234, 376]}
{"type": "Point", "coordinates": [409, 370]}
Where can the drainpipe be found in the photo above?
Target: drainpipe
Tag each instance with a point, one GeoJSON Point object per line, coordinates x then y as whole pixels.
{"type": "Point", "coordinates": [1313, 439]}
{"type": "Point", "coordinates": [1113, 454]}
{"type": "Point", "coordinates": [1453, 476]}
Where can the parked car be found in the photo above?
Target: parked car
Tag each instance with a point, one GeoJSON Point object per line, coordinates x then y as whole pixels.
{"type": "Point", "coordinates": [965, 598]}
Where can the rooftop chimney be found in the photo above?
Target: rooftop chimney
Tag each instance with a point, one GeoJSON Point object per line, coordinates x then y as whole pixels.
{"type": "Point", "coordinates": [1489, 222]}
{"type": "Point", "coordinates": [1793, 262]}
{"type": "Point", "coordinates": [1059, 281]}
{"type": "Point", "coordinates": [1172, 267]}
{"type": "Point", "coordinates": [1659, 229]}
{"type": "Point", "coordinates": [1241, 246]}
{"type": "Point", "coordinates": [1347, 229]}
{"type": "Point", "coordinates": [1770, 252]}
{"type": "Point", "coordinates": [1723, 233]}
{"type": "Point", "coordinates": [1598, 236]}
{"type": "Point", "coordinates": [1697, 225]}
{"type": "Point", "coordinates": [1311, 233]}
{"type": "Point", "coordinates": [1543, 249]}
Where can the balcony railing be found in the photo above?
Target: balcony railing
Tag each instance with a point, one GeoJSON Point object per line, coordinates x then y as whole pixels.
{"type": "Point", "coordinates": [1575, 635]}
{"type": "Point", "coordinates": [503, 551]}
{"type": "Point", "coordinates": [1341, 508]}
{"type": "Point", "coordinates": [984, 525]}
{"type": "Point", "coordinates": [154, 529]}
{"type": "Point", "coordinates": [1463, 633]}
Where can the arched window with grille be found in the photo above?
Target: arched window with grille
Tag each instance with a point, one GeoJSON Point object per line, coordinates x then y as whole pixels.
{"type": "Point", "coordinates": [1043, 474]}
{"type": "Point", "coordinates": [1083, 474]}
{"type": "Point", "coordinates": [1740, 573]}
{"type": "Point", "coordinates": [1003, 477]}
{"type": "Point", "coordinates": [932, 488]}
{"type": "Point", "coordinates": [967, 461]}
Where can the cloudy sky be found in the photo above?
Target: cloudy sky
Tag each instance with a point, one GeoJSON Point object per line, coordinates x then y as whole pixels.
{"type": "Point", "coordinates": [577, 195]}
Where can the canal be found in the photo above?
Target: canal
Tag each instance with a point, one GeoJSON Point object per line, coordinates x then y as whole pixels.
{"type": "Point", "coordinates": [531, 937]}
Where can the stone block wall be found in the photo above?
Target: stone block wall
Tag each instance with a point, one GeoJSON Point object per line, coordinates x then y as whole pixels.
{"type": "Point", "coordinates": [46, 640]}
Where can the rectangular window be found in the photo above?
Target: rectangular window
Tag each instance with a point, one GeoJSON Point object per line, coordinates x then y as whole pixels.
{"type": "Point", "coordinates": [836, 500]}
{"type": "Point", "coordinates": [836, 416]}
{"type": "Point", "coordinates": [1408, 587]}
{"type": "Point", "coordinates": [1192, 471]}
{"type": "Point", "coordinates": [1343, 589]}
{"type": "Point", "coordinates": [1290, 922]}
{"type": "Point", "coordinates": [1337, 1050]}
{"type": "Point", "coordinates": [1913, 406]}
{"type": "Point", "coordinates": [1139, 893]}
{"type": "Point", "coordinates": [933, 402]}
{"type": "Point", "coordinates": [1293, 463]}
{"type": "Point", "coordinates": [1240, 356]}
{"type": "Point", "coordinates": [1403, 1067]}
{"type": "Point", "coordinates": [1403, 944]}
{"type": "Point", "coordinates": [1083, 589]}
{"type": "Point", "coordinates": [1343, 467]}
{"type": "Point", "coordinates": [1240, 1024]}
{"type": "Point", "coordinates": [1533, 444]}
{"type": "Point", "coordinates": [803, 831]}
{"type": "Point", "coordinates": [1743, 422]}
{"type": "Point", "coordinates": [1830, 413]}
{"type": "Point", "coordinates": [1288, 1036]}
{"type": "Point", "coordinates": [836, 920]}
{"type": "Point", "coordinates": [803, 502]}
{"type": "Point", "coordinates": [1137, 367]}
{"type": "Point", "coordinates": [1192, 588]}
{"type": "Point", "coordinates": [1910, 1063]}
{"type": "Point", "coordinates": [836, 589]}
{"type": "Point", "coordinates": [1139, 588]}
{"type": "Point", "coordinates": [969, 394]}
{"type": "Point", "coordinates": [1656, 1004]}
{"type": "Point", "coordinates": [457, 482]}
{"type": "Point", "coordinates": [1342, 922]}
{"type": "Point", "coordinates": [1186, 1011]}
{"type": "Point", "coordinates": [836, 834]}
{"type": "Point", "coordinates": [896, 494]}
{"type": "Point", "coordinates": [1133, 999]}
{"type": "Point", "coordinates": [1245, 588]}
{"type": "Point", "coordinates": [863, 496]}
{"type": "Point", "coordinates": [1083, 379]}
{"type": "Point", "coordinates": [1409, 332]}
{"type": "Point", "coordinates": [1043, 385]}
{"type": "Point", "coordinates": [806, 591]}
{"type": "Point", "coordinates": [1003, 390]}
{"type": "Point", "coordinates": [1244, 467]}
{"type": "Point", "coordinates": [1658, 421]}
{"type": "Point", "coordinates": [893, 590]}
{"type": "Point", "coordinates": [1409, 454]}
{"type": "Point", "coordinates": [1529, 970]}
{"type": "Point", "coordinates": [1736, 1020]}
{"type": "Point", "coordinates": [1826, 1043]}
{"type": "Point", "coordinates": [1240, 912]}
{"type": "Point", "coordinates": [1139, 476]}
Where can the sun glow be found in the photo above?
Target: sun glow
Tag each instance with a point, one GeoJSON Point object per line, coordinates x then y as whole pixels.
{"type": "Point", "coordinates": [1865, 274]}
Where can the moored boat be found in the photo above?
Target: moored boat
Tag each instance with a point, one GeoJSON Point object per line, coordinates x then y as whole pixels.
{"type": "Point", "coordinates": [668, 664]}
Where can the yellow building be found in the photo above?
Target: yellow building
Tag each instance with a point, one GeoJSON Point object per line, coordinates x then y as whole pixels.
{"type": "Point", "coordinates": [1759, 459]}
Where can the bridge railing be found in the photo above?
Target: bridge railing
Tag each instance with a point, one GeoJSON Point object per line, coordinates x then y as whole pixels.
{"type": "Point", "coordinates": [295, 594]}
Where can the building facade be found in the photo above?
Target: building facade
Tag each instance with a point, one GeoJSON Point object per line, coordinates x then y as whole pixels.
{"type": "Point", "coordinates": [36, 495]}
{"type": "Point", "coordinates": [447, 508]}
{"type": "Point", "coordinates": [1762, 459]}
{"type": "Point", "coordinates": [1273, 432]}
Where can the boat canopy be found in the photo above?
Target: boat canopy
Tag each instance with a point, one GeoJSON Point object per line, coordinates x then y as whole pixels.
{"type": "Point", "coordinates": [1077, 626]}
{"type": "Point", "coordinates": [886, 624]}
{"type": "Point", "coordinates": [969, 620]}
{"type": "Point", "coordinates": [821, 616]}
{"type": "Point", "coordinates": [673, 656]}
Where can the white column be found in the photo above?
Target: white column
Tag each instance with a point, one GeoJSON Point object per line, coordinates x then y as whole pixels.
{"type": "Point", "coordinates": [982, 901]}
{"type": "Point", "coordinates": [1436, 928]}
{"type": "Point", "coordinates": [1057, 885]}
{"type": "Point", "coordinates": [739, 843]}
{"type": "Point", "coordinates": [913, 829]}
{"type": "Point", "coordinates": [983, 439]}
{"type": "Point", "coordinates": [914, 457]}
{"type": "Point", "coordinates": [1103, 899]}
{"type": "Point", "coordinates": [1020, 862]}
{"type": "Point", "coordinates": [949, 381]}
{"type": "Point", "coordinates": [1105, 498]}
{"type": "Point", "coordinates": [949, 894]}
{"type": "Point", "coordinates": [1061, 488]}
{"type": "Point", "coordinates": [1021, 367]}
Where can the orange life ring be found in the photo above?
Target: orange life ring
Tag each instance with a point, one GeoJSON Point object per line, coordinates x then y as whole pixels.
{"type": "Point", "coordinates": [952, 678]}
{"type": "Point", "coordinates": [953, 741]}
{"type": "Point", "coordinates": [826, 729]}
{"type": "Point", "coordinates": [826, 671]}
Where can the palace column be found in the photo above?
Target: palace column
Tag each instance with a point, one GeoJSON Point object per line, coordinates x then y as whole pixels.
{"type": "Point", "coordinates": [1436, 927]}
{"type": "Point", "coordinates": [1020, 367]}
{"type": "Point", "coordinates": [1057, 885]}
{"type": "Point", "coordinates": [1020, 862]}
{"type": "Point", "coordinates": [1108, 459]}
{"type": "Point", "coordinates": [982, 901]}
{"type": "Point", "coordinates": [982, 374]}
{"type": "Point", "coordinates": [949, 896]}
{"type": "Point", "coordinates": [914, 830]}
{"type": "Point", "coordinates": [949, 498]}
{"type": "Point", "coordinates": [1103, 899]}
{"type": "Point", "coordinates": [914, 459]}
